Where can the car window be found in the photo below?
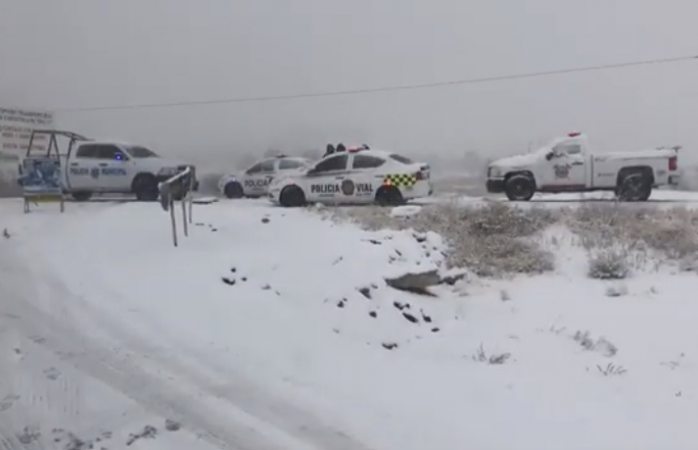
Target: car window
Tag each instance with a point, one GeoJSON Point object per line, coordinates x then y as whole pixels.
{"type": "Point", "coordinates": [141, 152]}
{"type": "Point", "coordinates": [87, 151]}
{"type": "Point", "coordinates": [574, 149]}
{"type": "Point", "coordinates": [401, 159]}
{"type": "Point", "coordinates": [286, 164]}
{"type": "Point", "coordinates": [111, 152]}
{"type": "Point", "coordinates": [254, 169]}
{"type": "Point", "coordinates": [338, 162]}
{"type": "Point", "coordinates": [363, 161]}
{"type": "Point", "coordinates": [268, 165]}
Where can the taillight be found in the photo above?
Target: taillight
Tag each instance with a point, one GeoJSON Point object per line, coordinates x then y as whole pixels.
{"type": "Point", "coordinates": [673, 163]}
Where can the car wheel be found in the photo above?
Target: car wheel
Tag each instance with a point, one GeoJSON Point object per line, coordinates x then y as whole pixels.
{"type": "Point", "coordinates": [635, 187]}
{"type": "Point", "coordinates": [389, 196]}
{"type": "Point", "coordinates": [519, 188]}
{"type": "Point", "coordinates": [145, 186]}
{"type": "Point", "coordinates": [81, 196]}
{"type": "Point", "coordinates": [292, 196]}
{"type": "Point", "coordinates": [233, 189]}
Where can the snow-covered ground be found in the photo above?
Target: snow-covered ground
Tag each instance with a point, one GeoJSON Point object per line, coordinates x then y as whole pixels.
{"type": "Point", "coordinates": [107, 329]}
{"type": "Point", "coordinates": [661, 198]}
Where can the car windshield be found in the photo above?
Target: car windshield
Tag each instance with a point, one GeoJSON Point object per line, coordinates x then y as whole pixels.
{"type": "Point", "coordinates": [401, 159]}
{"type": "Point", "coordinates": [141, 152]}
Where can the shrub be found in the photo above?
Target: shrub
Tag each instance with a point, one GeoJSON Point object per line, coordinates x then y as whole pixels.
{"type": "Point", "coordinates": [673, 232]}
{"type": "Point", "coordinates": [609, 265]}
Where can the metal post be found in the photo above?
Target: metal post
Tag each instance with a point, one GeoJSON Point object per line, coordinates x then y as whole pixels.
{"type": "Point", "coordinates": [184, 216]}
{"type": "Point", "coordinates": [174, 224]}
{"type": "Point", "coordinates": [190, 195]}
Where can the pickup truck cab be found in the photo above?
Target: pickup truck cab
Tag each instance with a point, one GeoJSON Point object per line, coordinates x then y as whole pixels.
{"type": "Point", "coordinates": [113, 167]}
{"type": "Point", "coordinates": [567, 165]}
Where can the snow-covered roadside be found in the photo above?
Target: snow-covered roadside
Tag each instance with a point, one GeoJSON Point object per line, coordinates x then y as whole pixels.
{"type": "Point", "coordinates": [275, 350]}
{"type": "Point", "coordinates": [661, 198]}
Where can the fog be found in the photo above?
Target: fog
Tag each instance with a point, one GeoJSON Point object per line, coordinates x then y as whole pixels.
{"type": "Point", "coordinates": [60, 54]}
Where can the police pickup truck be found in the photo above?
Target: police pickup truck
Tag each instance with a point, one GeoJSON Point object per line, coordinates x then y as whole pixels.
{"type": "Point", "coordinates": [111, 167]}
{"type": "Point", "coordinates": [355, 176]}
{"type": "Point", "coordinates": [254, 182]}
{"type": "Point", "coordinates": [566, 165]}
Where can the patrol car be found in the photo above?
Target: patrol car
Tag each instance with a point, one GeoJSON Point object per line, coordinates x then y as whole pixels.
{"type": "Point", "coordinates": [355, 176]}
{"type": "Point", "coordinates": [254, 182]}
{"type": "Point", "coordinates": [101, 166]}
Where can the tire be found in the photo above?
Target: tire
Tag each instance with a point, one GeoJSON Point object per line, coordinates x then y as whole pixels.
{"type": "Point", "coordinates": [389, 196]}
{"type": "Point", "coordinates": [233, 189]}
{"type": "Point", "coordinates": [292, 196]}
{"type": "Point", "coordinates": [519, 188]}
{"type": "Point", "coordinates": [634, 187]}
{"type": "Point", "coordinates": [81, 196]}
{"type": "Point", "coordinates": [145, 186]}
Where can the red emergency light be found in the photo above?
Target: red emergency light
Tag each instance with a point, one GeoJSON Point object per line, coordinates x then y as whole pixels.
{"type": "Point", "coordinates": [574, 134]}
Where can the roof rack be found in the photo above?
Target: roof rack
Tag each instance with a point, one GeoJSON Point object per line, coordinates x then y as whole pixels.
{"type": "Point", "coordinates": [53, 142]}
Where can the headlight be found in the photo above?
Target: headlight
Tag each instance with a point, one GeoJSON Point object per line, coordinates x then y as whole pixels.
{"type": "Point", "coordinates": [494, 172]}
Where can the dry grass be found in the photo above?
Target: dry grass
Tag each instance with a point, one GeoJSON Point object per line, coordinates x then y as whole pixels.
{"type": "Point", "coordinates": [490, 240]}
{"type": "Point", "coordinates": [498, 239]}
{"type": "Point", "coordinates": [619, 236]}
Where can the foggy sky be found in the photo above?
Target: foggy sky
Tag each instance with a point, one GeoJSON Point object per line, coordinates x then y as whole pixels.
{"type": "Point", "coordinates": [73, 53]}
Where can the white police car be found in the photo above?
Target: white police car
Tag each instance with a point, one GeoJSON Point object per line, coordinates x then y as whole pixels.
{"type": "Point", "coordinates": [254, 182]}
{"type": "Point", "coordinates": [355, 176]}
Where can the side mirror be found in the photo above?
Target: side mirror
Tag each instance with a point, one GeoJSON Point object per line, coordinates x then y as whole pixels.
{"type": "Point", "coordinates": [550, 156]}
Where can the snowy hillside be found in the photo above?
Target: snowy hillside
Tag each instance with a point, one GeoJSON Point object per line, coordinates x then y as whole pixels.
{"type": "Point", "coordinates": [272, 328]}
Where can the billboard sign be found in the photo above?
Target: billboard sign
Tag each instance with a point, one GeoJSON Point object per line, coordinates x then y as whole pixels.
{"type": "Point", "coordinates": [16, 126]}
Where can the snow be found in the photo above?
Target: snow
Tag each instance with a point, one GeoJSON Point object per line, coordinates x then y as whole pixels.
{"type": "Point", "coordinates": [405, 211]}
{"type": "Point", "coordinates": [140, 332]}
{"type": "Point", "coordinates": [660, 198]}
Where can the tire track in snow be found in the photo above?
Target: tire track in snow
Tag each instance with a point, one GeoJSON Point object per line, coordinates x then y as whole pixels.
{"type": "Point", "coordinates": [194, 399]}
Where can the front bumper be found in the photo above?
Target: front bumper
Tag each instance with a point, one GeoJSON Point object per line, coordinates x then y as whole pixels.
{"type": "Point", "coordinates": [495, 185]}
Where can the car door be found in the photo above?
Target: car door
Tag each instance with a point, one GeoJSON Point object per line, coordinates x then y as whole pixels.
{"type": "Point", "coordinates": [364, 177]}
{"type": "Point", "coordinates": [115, 168]}
{"type": "Point", "coordinates": [83, 168]}
{"type": "Point", "coordinates": [566, 167]}
{"type": "Point", "coordinates": [256, 179]}
{"type": "Point", "coordinates": [325, 179]}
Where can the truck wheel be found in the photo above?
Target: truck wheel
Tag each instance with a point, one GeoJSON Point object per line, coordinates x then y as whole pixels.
{"type": "Point", "coordinates": [145, 186]}
{"type": "Point", "coordinates": [81, 196]}
{"type": "Point", "coordinates": [292, 196]}
{"type": "Point", "coordinates": [635, 187]}
{"type": "Point", "coordinates": [519, 188]}
{"type": "Point", "coordinates": [389, 196]}
{"type": "Point", "coordinates": [233, 190]}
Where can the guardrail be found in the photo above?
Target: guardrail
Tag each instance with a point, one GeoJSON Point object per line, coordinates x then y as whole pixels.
{"type": "Point", "coordinates": [179, 187]}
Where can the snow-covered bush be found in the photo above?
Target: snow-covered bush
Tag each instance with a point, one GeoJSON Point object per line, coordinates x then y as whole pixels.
{"type": "Point", "coordinates": [609, 265]}
{"type": "Point", "coordinates": [616, 290]}
{"type": "Point", "coordinates": [672, 232]}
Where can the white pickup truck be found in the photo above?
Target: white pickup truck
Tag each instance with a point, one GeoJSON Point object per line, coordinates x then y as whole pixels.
{"type": "Point", "coordinates": [90, 166]}
{"type": "Point", "coordinates": [566, 165]}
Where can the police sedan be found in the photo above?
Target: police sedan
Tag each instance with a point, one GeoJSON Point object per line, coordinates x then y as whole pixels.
{"type": "Point", "coordinates": [356, 176]}
{"type": "Point", "coordinates": [254, 182]}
